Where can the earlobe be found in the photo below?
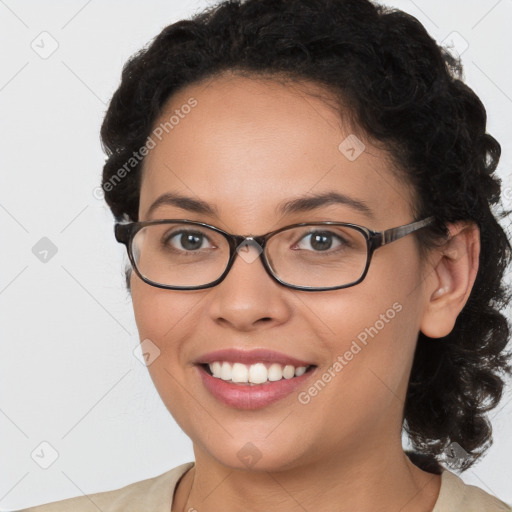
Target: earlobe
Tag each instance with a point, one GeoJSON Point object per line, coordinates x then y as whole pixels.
{"type": "Point", "coordinates": [449, 284]}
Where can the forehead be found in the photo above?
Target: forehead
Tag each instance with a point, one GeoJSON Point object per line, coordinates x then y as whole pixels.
{"type": "Point", "coordinates": [247, 145]}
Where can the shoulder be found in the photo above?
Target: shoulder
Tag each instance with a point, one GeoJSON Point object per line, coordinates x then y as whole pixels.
{"type": "Point", "coordinates": [150, 495]}
{"type": "Point", "coordinates": [455, 496]}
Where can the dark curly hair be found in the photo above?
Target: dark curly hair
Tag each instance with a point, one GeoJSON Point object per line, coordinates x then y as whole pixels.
{"type": "Point", "coordinates": [405, 92]}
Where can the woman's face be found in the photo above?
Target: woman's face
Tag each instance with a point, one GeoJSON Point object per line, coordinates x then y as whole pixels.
{"type": "Point", "coordinates": [245, 148]}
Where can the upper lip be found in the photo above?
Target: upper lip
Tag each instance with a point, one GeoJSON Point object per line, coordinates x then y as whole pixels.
{"type": "Point", "coordinates": [259, 355]}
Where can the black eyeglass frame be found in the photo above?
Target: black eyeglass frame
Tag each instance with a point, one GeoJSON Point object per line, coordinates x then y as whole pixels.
{"type": "Point", "coordinates": [125, 233]}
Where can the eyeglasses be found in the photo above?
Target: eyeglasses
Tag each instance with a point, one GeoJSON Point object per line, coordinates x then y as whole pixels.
{"type": "Point", "coordinates": [179, 254]}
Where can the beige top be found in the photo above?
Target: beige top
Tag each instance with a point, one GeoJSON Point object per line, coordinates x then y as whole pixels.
{"type": "Point", "coordinates": [156, 494]}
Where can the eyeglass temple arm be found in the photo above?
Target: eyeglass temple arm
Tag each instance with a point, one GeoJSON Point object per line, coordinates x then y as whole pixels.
{"type": "Point", "coordinates": [122, 232]}
{"type": "Point", "coordinates": [390, 235]}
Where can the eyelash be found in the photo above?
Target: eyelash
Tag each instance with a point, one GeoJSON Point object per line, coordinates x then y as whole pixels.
{"type": "Point", "coordinates": [172, 235]}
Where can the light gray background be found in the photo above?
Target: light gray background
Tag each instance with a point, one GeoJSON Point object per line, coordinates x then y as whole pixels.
{"type": "Point", "coordinates": [68, 374]}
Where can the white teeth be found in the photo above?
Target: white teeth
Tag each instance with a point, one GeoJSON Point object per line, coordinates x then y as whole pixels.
{"type": "Point", "coordinates": [275, 372]}
{"type": "Point", "coordinates": [288, 372]}
{"type": "Point", "coordinates": [215, 369]}
{"type": "Point", "coordinates": [239, 373]}
{"type": "Point", "coordinates": [225, 371]}
{"type": "Point", "coordinates": [301, 370]}
{"type": "Point", "coordinates": [256, 373]}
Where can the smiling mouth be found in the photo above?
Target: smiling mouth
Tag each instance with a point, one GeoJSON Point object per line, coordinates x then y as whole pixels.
{"type": "Point", "coordinates": [254, 374]}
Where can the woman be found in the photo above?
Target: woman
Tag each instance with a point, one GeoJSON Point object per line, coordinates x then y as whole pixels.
{"type": "Point", "coordinates": [361, 297]}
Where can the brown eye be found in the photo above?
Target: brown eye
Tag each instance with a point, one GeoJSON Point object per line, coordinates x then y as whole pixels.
{"type": "Point", "coordinates": [187, 240]}
{"type": "Point", "coordinates": [320, 241]}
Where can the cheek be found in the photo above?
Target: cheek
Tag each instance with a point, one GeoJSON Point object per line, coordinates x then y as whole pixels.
{"type": "Point", "coordinates": [166, 319]}
{"type": "Point", "coordinates": [160, 313]}
{"type": "Point", "coordinates": [368, 334]}
{"type": "Point", "coordinates": [372, 327]}
{"type": "Point", "coordinates": [371, 342]}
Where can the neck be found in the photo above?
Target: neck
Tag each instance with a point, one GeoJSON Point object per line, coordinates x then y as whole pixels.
{"type": "Point", "coordinates": [383, 479]}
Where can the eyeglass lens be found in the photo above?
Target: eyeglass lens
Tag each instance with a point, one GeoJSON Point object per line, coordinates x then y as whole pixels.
{"type": "Point", "coordinates": [180, 254]}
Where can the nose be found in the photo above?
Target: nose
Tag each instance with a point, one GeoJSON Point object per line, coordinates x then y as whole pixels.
{"type": "Point", "coordinates": [248, 298]}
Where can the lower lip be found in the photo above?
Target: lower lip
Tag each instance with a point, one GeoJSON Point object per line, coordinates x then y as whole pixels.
{"type": "Point", "coordinates": [245, 396]}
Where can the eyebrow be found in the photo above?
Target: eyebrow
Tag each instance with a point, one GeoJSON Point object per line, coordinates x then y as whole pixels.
{"type": "Point", "coordinates": [300, 204]}
{"type": "Point", "coordinates": [185, 203]}
{"type": "Point", "coordinates": [314, 201]}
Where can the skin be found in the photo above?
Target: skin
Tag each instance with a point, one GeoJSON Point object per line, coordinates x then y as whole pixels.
{"type": "Point", "coordinates": [247, 146]}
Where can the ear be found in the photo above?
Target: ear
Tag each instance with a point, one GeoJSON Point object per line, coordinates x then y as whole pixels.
{"type": "Point", "coordinates": [451, 279]}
